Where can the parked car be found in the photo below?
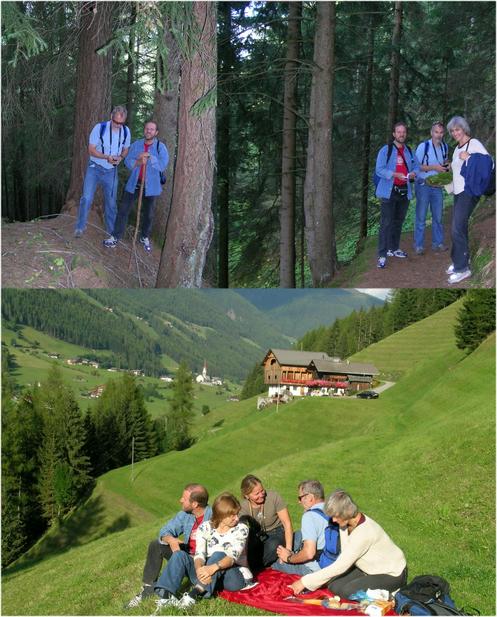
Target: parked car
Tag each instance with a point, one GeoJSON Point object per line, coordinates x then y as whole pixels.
{"type": "Point", "coordinates": [368, 394]}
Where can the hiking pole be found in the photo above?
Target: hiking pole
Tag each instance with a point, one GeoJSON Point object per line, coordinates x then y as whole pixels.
{"type": "Point", "coordinates": [140, 197]}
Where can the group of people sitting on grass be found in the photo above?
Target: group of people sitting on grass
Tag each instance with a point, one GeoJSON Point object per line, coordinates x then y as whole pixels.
{"type": "Point", "coordinates": [223, 547]}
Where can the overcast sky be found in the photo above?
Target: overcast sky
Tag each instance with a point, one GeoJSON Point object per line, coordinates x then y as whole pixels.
{"type": "Point", "coordinates": [379, 293]}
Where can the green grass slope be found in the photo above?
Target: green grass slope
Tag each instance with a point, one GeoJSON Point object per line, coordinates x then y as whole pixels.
{"type": "Point", "coordinates": [430, 337]}
{"type": "Point", "coordinates": [420, 460]}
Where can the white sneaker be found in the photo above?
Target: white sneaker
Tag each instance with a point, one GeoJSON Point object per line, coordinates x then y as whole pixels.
{"type": "Point", "coordinates": [450, 269]}
{"type": "Point", "coordinates": [146, 244]}
{"type": "Point", "coordinates": [457, 277]}
{"type": "Point", "coordinates": [135, 601]}
{"type": "Point", "coordinates": [186, 601]}
{"type": "Point", "coordinates": [161, 602]}
{"type": "Point", "coordinates": [249, 584]}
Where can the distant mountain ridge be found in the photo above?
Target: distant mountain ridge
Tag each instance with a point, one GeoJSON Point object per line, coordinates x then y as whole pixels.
{"type": "Point", "coordinates": [295, 311]}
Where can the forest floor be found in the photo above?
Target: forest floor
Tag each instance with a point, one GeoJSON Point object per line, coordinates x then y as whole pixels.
{"type": "Point", "coordinates": [428, 270]}
{"type": "Point", "coordinates": [44, 253]}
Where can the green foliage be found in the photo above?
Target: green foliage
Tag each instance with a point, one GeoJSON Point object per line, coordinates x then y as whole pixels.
{"type": "Point", "coordinates": [421, 430]}
{"type": "Point", "coordinates": [180, 416]}
{"type": "Point", "coordinates": [254, 384]}
{"type": "Point", "coordinates": [18, 29]}
{"type": "Point", "coordinates": [205, 410]}
{"type": "Point", "coordinates": [362, 328]}
{"type": "Point", "coordinates": [476, 318]}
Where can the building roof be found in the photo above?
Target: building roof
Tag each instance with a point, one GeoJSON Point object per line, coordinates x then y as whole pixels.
{"type": "Point", "coordinates": [344, 367]}
{"type": "Point", "coordinates": [296, 358]}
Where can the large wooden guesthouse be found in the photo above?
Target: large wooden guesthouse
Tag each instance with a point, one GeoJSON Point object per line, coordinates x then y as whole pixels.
{"type": "Point", "coordinates": [301, 372]}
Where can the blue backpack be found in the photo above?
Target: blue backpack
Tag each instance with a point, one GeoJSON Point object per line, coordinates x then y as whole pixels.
{"type": "Point", "coordinates": [426, 595]}
{"type": "Point", "coordinates": [376, 177]}
{"type": "Point", "coordinates": [331, 548]}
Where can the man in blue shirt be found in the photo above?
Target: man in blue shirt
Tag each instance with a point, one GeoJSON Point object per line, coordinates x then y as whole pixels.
{"type": "Point", "coordinates": [194, 511]}
{"type": "Point", "coordinates": [108, 145]}
{"type": "Point", "coordinates": [309, 542]}
{"type": "Point", "coordinates": [396, 167]}
{"type": "Point", "coordinates": [433, 157]}
{"type": "Point", "coordinates": [154, 154]}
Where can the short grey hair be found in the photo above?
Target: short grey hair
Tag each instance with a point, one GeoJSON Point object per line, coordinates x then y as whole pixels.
{"type": "Point", "coordinates": [341, 505]}
{"type": "Point", "coordinates": [312, 487]}
{"type": "Point", "coordinates": [459, 122]}
{"type": "Point", "coordinates": [119, 109]}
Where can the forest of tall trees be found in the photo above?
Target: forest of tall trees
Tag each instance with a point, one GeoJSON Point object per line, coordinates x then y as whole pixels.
{"type": "Point", "coordinates": [66, 64]}
{"type": "Point", "coordinates": [308, 93]}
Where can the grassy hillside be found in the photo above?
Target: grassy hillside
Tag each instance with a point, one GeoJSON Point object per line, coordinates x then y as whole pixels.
{"type": "Point", "coordinates": [420, 460]}
{"type": "Point", "coordinates": [430, 337]}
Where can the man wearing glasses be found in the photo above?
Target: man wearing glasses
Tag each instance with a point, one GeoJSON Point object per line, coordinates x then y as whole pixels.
{"type": "Point", "coordinates": [309, 541]}
{"type": "Point", "coordinates": [108, 145]}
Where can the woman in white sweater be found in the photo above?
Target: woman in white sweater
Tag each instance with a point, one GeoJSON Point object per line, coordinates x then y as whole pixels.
{"type": "Point", "coordinates": [368, 558]}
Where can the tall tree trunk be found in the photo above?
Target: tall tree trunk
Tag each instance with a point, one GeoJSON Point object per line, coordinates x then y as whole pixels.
{"type": "Point", "coordinates": [225, 69]}
{"type": "Point", "coordinates": [366, 146]}
{"type": "Point", "coordinates": [393, 95]}
{"type": "Point", "coordinates": [166, 114]}
{"type": "Point", "coordinates": [319, 223]}
{"type": "Point", "coordinates": [93, 87]}
{"type": "Point", "coordinates": [190, 226]}
{"type": "Point", "coordinates": [130, 74]}
{"type": "Point", "coordinates": [289, 153]}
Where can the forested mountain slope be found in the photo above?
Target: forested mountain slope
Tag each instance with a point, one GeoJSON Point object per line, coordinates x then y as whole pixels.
{"type": "Point", "coordinates": [404, 457]}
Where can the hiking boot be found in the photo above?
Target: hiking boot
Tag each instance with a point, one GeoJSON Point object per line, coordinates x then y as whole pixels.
{"type": "Point", "coordinates": [110, 242]}
{"type": "Point", "coordinates": [382, 261]}
{"type": "Point", "coordinates": [457, 277]}
{"type": "Point", "coordinates": [78, 233]}
{"type": "Point", "coordinates": [440, 248]}
{"type": "Point", "coordinates": [399, 253]}
{"type": "Point", "coordinates": [389, 253]}
{"type": "Point", "coordinates": [419, 250]}
{"type": "Point", "coordinates": [146, 244]}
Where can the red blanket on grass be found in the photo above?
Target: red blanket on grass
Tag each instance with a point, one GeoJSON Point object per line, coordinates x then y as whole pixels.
{"type": "Point", "coordinates": [272, 590]}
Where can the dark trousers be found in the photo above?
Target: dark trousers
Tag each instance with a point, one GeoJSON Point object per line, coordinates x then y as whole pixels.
{"type": "Point", "coordinates": [393, 214]}
{"type": "Point", "coordinates": [261, 554]}
{"type": "Point", "coordinates": [464, 204]}
{"type": "Point", "coordinates": [146, 214]}
{"type": "Point", "coordinates": [354, 579]}
{"type": "Point", "coordinates": [156, 554]}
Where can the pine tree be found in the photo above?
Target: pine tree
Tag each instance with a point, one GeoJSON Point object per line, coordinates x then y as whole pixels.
{"type": "Point", "coordinates": [254, 384]}
{"type": "Point", "coordinates": [180, 415]}
{"type": "Point", "coordinates": [476, 319]}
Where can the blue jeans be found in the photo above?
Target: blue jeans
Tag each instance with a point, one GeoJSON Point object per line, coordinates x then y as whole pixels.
{"type": "Point", "coordinates": [295, 568]}
{"type": "Point", "coordinates": [181, 564]}
{"type": "Point", "coordinates": [428, 197]}
{"type": "Point", "coordinates": [107, 178]}
{"type": "Point", "coordinates": [393, 214]}
{"type": "Point", "coordinates": [464, 204]}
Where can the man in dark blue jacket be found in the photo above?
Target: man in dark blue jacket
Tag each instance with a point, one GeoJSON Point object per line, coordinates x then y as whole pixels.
{"type": "Point", "coordinates": [394, 190]}
{"type": "Point", "coordinates": [154, 154]}
{"type": "Point", "coordinates": [194, 511]}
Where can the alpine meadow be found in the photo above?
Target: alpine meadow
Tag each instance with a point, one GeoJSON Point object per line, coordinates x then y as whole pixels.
{"type": "Point", "coordinates": [420, 459]}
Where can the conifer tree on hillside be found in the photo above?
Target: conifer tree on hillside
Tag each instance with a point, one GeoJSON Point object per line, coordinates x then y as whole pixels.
{"type": "Point", "coordinates": [180, 416]}
{"type": "Point", "coordinates": [65, 468]}
{"type": "Point", "coordinates": [476, 319]}
{"type": "Point", "coordinates": [21, 519]}
{"type": "Point", "coordinates": [254, 384]}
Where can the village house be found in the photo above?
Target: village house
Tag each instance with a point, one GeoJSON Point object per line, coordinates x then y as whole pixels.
{"type": "Point", "coordinates": [205, 380]}
{"type": "Point", "coordinates": [305, 372]}
{"type": "Point", "coordinates": [96, 392]}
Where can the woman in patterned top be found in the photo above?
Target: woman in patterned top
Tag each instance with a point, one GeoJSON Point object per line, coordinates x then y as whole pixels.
{"type": "Point", "coordinates": [220, 560]}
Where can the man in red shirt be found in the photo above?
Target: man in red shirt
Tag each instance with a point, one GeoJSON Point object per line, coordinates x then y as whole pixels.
{"type": "Point", "coordinates": [396, 167]}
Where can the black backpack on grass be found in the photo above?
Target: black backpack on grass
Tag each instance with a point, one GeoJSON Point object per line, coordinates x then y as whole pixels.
{"type": "Point", "coordinates": [426, 595]}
